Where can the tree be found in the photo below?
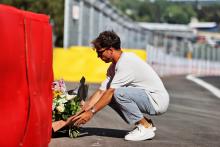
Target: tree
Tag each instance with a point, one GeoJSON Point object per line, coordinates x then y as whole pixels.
{"type": "Point", "coordinates": [210, 13]}
{"type": "Point", "coordinates": [178, 15]}
{"type": "Point", "coordinates": [53, 8]}
{"type": "Point", "coordinates": [157, 10]}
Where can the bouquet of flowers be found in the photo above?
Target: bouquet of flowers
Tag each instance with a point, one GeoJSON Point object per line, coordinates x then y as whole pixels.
{"type": "Point", "coordinates": [64, 106]}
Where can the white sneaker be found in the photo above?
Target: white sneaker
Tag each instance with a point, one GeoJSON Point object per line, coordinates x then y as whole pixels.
{"type": "Point", "coordinates": [154, 128]}
{"type": "Point", "coordinates": [140, 133]}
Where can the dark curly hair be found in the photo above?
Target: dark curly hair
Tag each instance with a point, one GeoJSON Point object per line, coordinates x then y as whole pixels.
{"type": "Point", "coordinates": [107, 39]}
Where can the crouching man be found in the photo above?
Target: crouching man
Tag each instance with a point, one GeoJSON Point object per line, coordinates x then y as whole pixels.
{"type": "Point", "coordinates": [132, 88]}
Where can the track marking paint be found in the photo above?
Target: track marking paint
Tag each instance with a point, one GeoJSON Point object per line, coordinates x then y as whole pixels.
{"type": "Point", "coordinates": [214, 90]}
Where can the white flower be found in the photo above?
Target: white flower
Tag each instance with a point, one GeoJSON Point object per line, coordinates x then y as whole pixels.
{"type": "Point", "coordinates": [60, 108]}
{"type": "Point", "coordinates": [62, 100]}
{"type": "Point", "coordinates": [69, 97]}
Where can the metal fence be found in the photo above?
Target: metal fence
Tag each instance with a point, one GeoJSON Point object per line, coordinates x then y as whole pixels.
{"type": "Point", "coordinates": [174, 55]}
{"type": "Point", "coordinates": [85, 19]}
{"type": "Point", "coordinates": [184, 47]}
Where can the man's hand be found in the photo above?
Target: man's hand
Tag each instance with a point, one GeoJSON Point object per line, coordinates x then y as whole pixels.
{"type": "Point", "coordinates": [89, 103]}
{"type": "Point", "coordinates": [60, 124]}
{"type": "Point", "coordinates": [82, 118]}
{"type": "Point", "coordinates": [99, 100]}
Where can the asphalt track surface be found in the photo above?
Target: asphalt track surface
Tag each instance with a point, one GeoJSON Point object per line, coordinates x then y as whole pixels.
{"type": "Point", "coordinates": [214, 80]}
{"type": "Point", "coordinates": [192, 120]}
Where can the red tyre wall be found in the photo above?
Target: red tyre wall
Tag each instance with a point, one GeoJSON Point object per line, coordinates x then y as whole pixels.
{"type": "Point", "coordinates": [26, 76]}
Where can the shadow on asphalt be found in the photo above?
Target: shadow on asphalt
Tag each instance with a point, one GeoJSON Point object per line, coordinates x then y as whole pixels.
{"type": "Point", "coordinates": [91, 131]}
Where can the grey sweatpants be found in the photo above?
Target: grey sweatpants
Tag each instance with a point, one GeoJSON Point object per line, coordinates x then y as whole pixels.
{"type": "Point", "coordinates": [131, 103]}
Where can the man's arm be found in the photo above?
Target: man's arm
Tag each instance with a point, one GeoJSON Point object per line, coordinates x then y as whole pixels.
{"type": "Point", "coordinates": [102, 102]}
{"type": "Point", "coordinates": [93, 100]}
{"type": "Point", "coordinates": [57, 125]}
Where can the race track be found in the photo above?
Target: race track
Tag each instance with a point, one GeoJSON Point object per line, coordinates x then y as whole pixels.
{"type": "Point", "coordinates": [192, 120]}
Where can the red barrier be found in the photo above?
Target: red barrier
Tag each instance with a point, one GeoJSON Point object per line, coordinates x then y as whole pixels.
{"type": "Point", "coordinates": [26, 76]}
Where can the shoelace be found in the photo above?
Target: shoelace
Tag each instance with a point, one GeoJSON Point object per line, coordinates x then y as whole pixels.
{"type": "Point", "coordinates": [137, 129]}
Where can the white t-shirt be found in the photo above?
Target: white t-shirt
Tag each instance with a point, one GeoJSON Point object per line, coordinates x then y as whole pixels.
{"type": "Point", "coordinates": [131, 71]}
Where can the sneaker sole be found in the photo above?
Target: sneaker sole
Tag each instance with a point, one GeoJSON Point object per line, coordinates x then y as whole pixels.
{"type": "Point", "coordinates": [141, 138]}
{"type": "Point", "coordinates": [154, 129]}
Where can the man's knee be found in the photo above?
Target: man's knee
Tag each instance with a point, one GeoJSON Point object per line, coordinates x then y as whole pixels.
{"type": "Point", "coordinates": [120, 95]}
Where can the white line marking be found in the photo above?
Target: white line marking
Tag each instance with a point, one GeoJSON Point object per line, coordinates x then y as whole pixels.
{"type": "Point", "coordinates": [204, 84]}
